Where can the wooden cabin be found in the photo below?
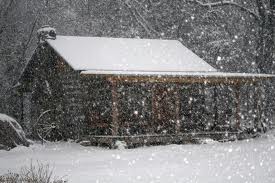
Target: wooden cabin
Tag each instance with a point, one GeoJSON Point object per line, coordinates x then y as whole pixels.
{"type": "Point", "coordinates": [140, 91]}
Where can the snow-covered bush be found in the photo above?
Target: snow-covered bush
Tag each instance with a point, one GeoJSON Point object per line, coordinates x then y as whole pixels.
{"type": "Point", "coordinates": [120, 145]}
{"type": "Point", "coordinates": [33, 174]}
{"type": "Point", "coordinates": [11, 133]}
{"type": "Point", "coordinates": [207, 141]}
{"type": "Point", "coordinates": [85, 143]}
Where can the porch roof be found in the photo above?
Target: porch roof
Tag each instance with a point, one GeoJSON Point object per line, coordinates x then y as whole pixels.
{"type": "Point", "coordinates": [181, 77]}
{"type": "Point", "coordinates": [178, 74]}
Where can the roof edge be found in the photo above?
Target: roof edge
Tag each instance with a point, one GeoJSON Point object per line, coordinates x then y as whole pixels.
{"type": "Point", "coordinates": [177, 74]}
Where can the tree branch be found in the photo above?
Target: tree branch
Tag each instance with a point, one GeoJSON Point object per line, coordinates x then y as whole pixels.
{"type": "Point", "coordinates": [227, 3]}
{"type": "Point", "coordinates": [141, 20]}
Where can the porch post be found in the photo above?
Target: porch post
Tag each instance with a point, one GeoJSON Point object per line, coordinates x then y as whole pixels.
{"type": "Point", "coordinates": [216, 113]}
{"type": "Point", "coordinates": [177, 111]}
{"type": "Point", "coordinates": [114, 124]}
{"type": "Point", "coordinates": [154, 108]}
{"type": "Point", "coordinates": [257, 106]}
{"type": "Point", "coordinates": [238, 106]}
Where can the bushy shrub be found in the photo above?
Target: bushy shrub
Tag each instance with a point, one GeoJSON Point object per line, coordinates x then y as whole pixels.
{"type": "Point", "coordinates": [39, 173]}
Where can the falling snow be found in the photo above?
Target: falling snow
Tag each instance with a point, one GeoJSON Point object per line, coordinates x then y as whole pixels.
{"type": "Point", "coordinates": [197, 66]}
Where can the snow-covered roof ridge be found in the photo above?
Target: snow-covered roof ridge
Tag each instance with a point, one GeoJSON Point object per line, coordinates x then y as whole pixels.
{"type": "Point", "coordinates": [127, 54]}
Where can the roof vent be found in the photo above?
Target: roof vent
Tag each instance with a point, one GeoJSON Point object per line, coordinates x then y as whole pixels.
{"type": "Point", "coordinates": [44, 33]}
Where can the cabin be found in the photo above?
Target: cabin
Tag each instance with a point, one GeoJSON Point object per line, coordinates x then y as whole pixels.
{"type": "Point", "coordinates": [140, 91]}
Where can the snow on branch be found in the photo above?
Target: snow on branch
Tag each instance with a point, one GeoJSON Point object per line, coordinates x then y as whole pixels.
{"type": "Point", "coordinates": [227, 3]}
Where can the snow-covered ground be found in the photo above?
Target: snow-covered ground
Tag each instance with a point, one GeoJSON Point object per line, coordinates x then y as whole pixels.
{"type": "Point", "coordinates": [242, 161]}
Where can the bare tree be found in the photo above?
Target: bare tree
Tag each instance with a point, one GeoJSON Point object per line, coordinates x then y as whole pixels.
{"type": "Point", "coordinates": [264, 16]}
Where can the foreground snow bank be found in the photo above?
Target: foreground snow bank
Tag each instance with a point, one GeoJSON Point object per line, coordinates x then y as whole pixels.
{"type": "Point", "coordinates": [11, 133]}
{"type": "Point", "coordinates": [242, 161]}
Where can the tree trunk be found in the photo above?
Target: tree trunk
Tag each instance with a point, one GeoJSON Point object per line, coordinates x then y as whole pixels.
{"type": "Point", "coordinates": [272, 26]}
{"type": "Point", "coordinates": [266, 37]}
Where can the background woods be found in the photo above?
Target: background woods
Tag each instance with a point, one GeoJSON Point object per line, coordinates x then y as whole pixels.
{"type": "Point", "coordinates": [231, 35]}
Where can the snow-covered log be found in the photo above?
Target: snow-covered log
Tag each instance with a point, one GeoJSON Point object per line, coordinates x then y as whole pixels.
{"type": "Point", "coordinates": [11, 133]}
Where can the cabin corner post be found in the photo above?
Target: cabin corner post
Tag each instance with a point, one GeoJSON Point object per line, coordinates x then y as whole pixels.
{"type": "Point", "coordinates": [115, 112]}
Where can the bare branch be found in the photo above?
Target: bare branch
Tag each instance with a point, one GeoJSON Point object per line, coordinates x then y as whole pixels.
{"type": "Point", "coordinates": [141, 20]}
{"type": "Point", "coordinates": [227, 3]}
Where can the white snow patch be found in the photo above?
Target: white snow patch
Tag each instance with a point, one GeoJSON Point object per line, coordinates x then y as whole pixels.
{"type": "Point", "coordinates": [215, 163]}
{"type": "Point", "coordinates": [4, 117]}
{"type": "Point", "coordinates": [120, 144]}
{"type": "Point", "coordinates": [207, 141]}
{"type": "Point", "coordinates": [46, 29]}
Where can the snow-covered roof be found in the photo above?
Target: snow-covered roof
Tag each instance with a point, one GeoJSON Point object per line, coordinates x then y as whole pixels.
{"type": "Point", "coordinates": [98, 54]}
{"type": "Point", "coordinates": [124, 56]}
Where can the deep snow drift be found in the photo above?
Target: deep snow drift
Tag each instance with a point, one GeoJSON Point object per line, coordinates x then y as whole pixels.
{"type": "Point", "coordinates": [242, 161]}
